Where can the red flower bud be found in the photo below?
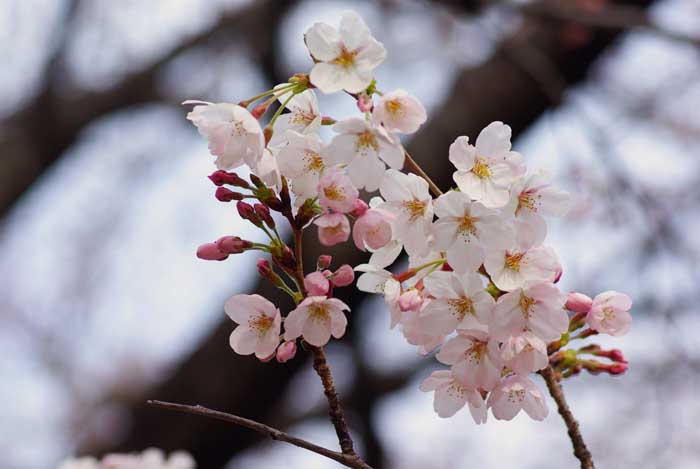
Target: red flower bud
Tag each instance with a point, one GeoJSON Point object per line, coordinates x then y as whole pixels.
{"type": "Point", "coordinates": [264, 214]}
{"type": "Point", "coordinates": [617, 368]}
{"type": "Point", "coordinates": [233, 244]}
{"type": "Point", "coordinates": [264, 268]}
{"type": "Point", "coordinates": [227, 195]}
{"type": "Point", "coordinates": [247, 212]}
{"type": "Point", "coordinates": [323, 262]}
{"type": "Point", "coordinates": [221, 177]}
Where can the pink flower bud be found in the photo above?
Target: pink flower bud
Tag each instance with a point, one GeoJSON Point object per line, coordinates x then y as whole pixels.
{"type": "Point", "coordinates": [233, 244]}
{"type": "Point", "coordinates": [617, 368]}
{"type": "Point", "coordinates": [223, 194]}
{"type": "Point", "coordinates": [260, 109]}
{"type": "Point", "coordinates": [264, 213]}
{"type": "Point", "coordinates": [333, 228]}
{"type": "Point", "coordinates": [324, 261]}
{"type": "Point", "coordinates": [360, 208]}
{"type": "Point", "coordinates": [364, 102]}
{"type": "Point", "coordinates": [264, 268]}
{"type": "Point", "coordinates": [578, 302]}
{"type": "Point", "coordinates": [222, 177]}
{"type": "Point", "coordinates": [616, 355]}
{"type": "Point", "coordinates": [411, 300]}
{"type": "Point", "coordinates": [316, 284]}
{"type": "Point", "coordinates": [288, 259]}
{"type": "Point", "coordinates": [343, 276]}
{"type": "Point", "coordinates": [211, 252]}
{"type": "Point", "coordinates": [247, 212]}
{"type": "Point", "coordinates": [286, 351]}
{"type": "Point", "coordinates": [371, 230]}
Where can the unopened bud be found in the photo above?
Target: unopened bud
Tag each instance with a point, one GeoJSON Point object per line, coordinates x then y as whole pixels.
{"type": "Point", "coordinates": [410, 300]}
{"type": "Point", "coordinates": [222, 177]}
{"type": "Point", "coordinates": [264, 268]}
{"type": "Point", "coordinates": [343, 276]}
{"type": "Point", "coordinates": [364, 102]}
{"type": "Point", "coordinates": [288, 259]}
{"type": "Point", "coordinates": [211, 252]}
{"type": "Point", "coordinates": [617, 368]}
{"type": "Point", "coordinates": [256, 181]}
{"type": "Point", "coordinates": [247, 212]}
{"type": "Point", "coordinates": [233, 244]}
{"type": "Point", "coordinates": [360, 208]}
{"type": "Point", "coordinates": [260, 109]}
{"type": "Point", "coordinates": [324, 261]}
{"type": "Point", "coordinates": [286, 351]}
{"type": "Point", "coordinates": [578, 302]}
{"type": "Point", "coordinates": [316, 284]}
{"type": "Point", "coordinates": [264, 213]}
{"type": "Point", "coordinates": [223, 194]}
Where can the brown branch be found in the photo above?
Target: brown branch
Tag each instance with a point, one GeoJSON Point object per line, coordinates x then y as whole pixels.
{"type": "Point", "coordinates": [277, 435]}
{"type": "Point", "coordinates": [418, 171]}
{"type": "Point", "coordinates": [555, 390]}
{"type": "Point", "coordinates": [334, 409]}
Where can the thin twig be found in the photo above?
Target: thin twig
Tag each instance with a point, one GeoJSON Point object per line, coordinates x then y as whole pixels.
{"type": "Point", "coordinates": [580, 449]}
{"type": "Point", "coordinates": [418, 171]}
{"type": "Point", "coordinates": [334, 410]}
{"type": "Point", "coordinates": [299, 272]}
{"type": "Point", "coordinates": [275, 434]}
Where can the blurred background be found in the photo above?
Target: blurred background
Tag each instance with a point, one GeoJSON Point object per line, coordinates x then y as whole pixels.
{"type": "Point", "coordinates": [104, 199]}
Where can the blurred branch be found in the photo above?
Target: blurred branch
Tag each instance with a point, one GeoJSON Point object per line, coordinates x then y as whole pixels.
{"type": "Point", "coordinates": [555, 390]}
{"type": "Point", "coordinates": [278, 435]}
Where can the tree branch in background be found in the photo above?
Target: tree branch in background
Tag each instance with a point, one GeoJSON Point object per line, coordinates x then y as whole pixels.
{"type": "Point", "coordinates": [277, 435]}
{"type": "Point", "coordinates": [555, 390]}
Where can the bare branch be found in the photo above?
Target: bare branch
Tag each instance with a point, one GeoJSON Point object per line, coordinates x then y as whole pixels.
{"type": "Point", "coordinates": [277, 435]}
{"type": "Point", "coordinates": [555, 390]}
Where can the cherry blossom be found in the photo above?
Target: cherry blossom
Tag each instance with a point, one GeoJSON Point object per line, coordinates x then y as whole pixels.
{"type": "Point", "coordinates": [485, 170]}
{"type": "Point", "coordinates": [316, 319]}
{"type": "Point", "coordinates": [451, 396]}
{"type": "Point", "coordinates": [399, 112]}
{"type": "Point", "coordinates": [234, 135]}
{"type": "Point", "coordinates": [377, 280]}
{"type": "Point", "coordinates": [516, 266]}
{"type": "Point", "coordinates": [609, 313]}
{"type": "Point", "coordinates": [414, 333]}
{"type": "Point", "coordinates": [408, 198]}
{"type": "Point", "coordinates": [304, 116]}
{"type": "Point", "coordinates": [474, 357]}
{"type": "Point", "coordinates": [516, 392]}
{"type": "Point", "coordinates": [317, 284]}
{"type": "Point", "coordinates": [364, 148]}
{"type": "Point", "coordinates": [345, 57]}
{"type": "Point", "coordinates": [302, 161]}
{"type": "Point", "coordinates": [372, 229]}
{"type": "Point", "coordinates": [286, 352]}
{"type": "Point", "coordinates": [538, 308]}
{"type": "Point", "coordinates": [458, 301]}
{"type": "Point", "coordinates": [258, 325]}
{"type": "Point", "coordinates": [578, 302]}
{"type": "Point", "coordinates": [336, 191]}
{"type": "Point", "coordinates": [525, 353]}
{"type": "Point", "coordinates": [333, 228]}
{"type": "Point", "coordinates": [464, 227]}
{"type": "Point", "coordinates": [533, 198]}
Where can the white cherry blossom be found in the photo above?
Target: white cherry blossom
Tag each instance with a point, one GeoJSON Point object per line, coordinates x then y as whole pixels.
{"type": "Point", "coordinates": [458, 301]}
{"type": "Point", "coordinates": [525, 353]}
{"type": "Point", "coordinates": [451, 396]}
{"type": "Point", "coordinates": [258, 325]}
{"type": "Point", "coordinates": [364, 148]}
{"type": "Point", "coordinates": [346, 57]}
{"type": "Point", "coordinates": [399, 112]}
{"type": "Point", "coordinates": [517, 266]}
{"type": "Point", "coordinates": [516, 392]}
{"type": "Point", "coordinates": [377, 280]}
{"type": "Point", "coordinates": [303, 117]}
{"type": "Point", "coordinates": [464, 227]}
{"type": "Point", "coordinates": [316, 319]}
{"type": "Point", "coordinates": [235, 136]}
{"type": "Point", "coordinates": [486, 170]}
{"type": "Point", "coordinates": [474, 357]}
{"type": "Point", "coordinates": [302, 161]}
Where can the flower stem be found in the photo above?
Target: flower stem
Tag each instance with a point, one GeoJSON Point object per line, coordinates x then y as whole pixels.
{"type": "Point", "coordinates": [555, 390]}
{"type": "Point", "coordinates": [417, 170]}
{"type": "Point", "coordinates": [269, 92]}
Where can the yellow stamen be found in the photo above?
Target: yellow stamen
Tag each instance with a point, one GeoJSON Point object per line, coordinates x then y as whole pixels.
{"type": "Point", "coordinates": [467, 225]}
{"type": "Point", "coordinates": [415, 208]}
{"type": "Point", "coordinates": [313, 162]}
{"type": "Point", "coordinates": [526, 304]}
{"type": "Point", "coordinates": [513, 261]}
{"type": "Point", "coordinates": [366, 140]}
{"type": "Point", "coordinates": [260, 324]}
{"type": "Point", "coordinates": [393, 107]}
{"type": "Point", "coordinates": [459, 307]}
{"type": "Point", "coordinates": [346, 58]}
{"type": "Point", "coordinates": [318, 313]}
{"type": "Point", "coordinates": [334, 192]}
{"type": "Point", "coordinates": [481, 168]}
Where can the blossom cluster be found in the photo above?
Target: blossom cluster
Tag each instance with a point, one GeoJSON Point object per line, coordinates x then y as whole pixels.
{"type": "Point", "coordinates": [151, 458]}
{"type": "Point", "coordinates": [481, 284]}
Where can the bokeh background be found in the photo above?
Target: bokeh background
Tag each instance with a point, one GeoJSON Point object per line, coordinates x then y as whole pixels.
{"type": "Point", "coordinates": [104, 199]}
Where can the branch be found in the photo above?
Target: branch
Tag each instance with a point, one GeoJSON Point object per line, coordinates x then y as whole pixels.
{"type": "Point", "coordinates": [275, 434]}
{"type": "Point", "coordinates": [418, 171]}
{"type": "Point", "coordinates": [555, 390]}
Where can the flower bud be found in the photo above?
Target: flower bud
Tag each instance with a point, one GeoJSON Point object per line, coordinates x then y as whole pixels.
{"type": "Point", "coordinates": [288, 259]}
{"type": "Point", "coordinates": [324, 261]}
{"type": "Point", "coordinates": [316, 284]}
{"type": "Point", "coordinates": [233, 244]}
{"type": "Point", "coordinates": [617, 368]}
{"type": "Point", "coordinates": [578, 302]}
{"type": "Point", "coordinates": [360, 208]}
{"type": "Point", "coordinates": [223, 194]}
{"type": "Point", "coordinates": [617, 356]}
{"type": "Point", "coordinates": [364, 102]}
{"type": "Point", "coordinates": [211, 252]}
{"type": "Point", "coordinates": [286, 351]}
{"type": "Point", "coordinates": [260, 109]}
{"type": "Point", "coordinates": [264, 213]}
{"type": "Point", "coordinates": [264, 268]}
{"type": "Point", "coordinates": [247, 212]}
{"type": "Point", "coordinates": [411, 300]}
{"type": "Point", "coordinates": [222, 177]}
{"type": "Point", "coordinates": [343, 276]}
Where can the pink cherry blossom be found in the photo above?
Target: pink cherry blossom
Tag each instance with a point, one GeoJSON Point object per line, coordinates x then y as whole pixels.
{"type": "Point", "coordinates": [485, 171]}
{"type": "Point", "coordinates": [374, 279]}
{"type": "Point", "coordinates": [345, 57]}
{"type": "Point", "coordinates": [609, 313]}
{"type": "Point", "coordinates": [458, 301]}
{"type": "Point", "coordinates": [525, 353]}
{"type": "Point", "coordinates": [316, 284]}
{"type": "Point", "coordinates": [303, 162]}
{"type": "Point", "coordinates": [258, 325]}
{"type": "Point", "coordinates": [372, 230]}
{"type": "Point", "coordinates": [411, 300]}
{"type": "Point", "coordinates": [415, 334]}
{"type": "Point", "coordinates": [516, 392]}
{"type": "Point", "coordinates": [333, 228]}
{"type": "Point", "coordinates": [451, 395]}
{"type": "Point", "coordinates": [336, 192]}
{"type": "Point", "coordinates": [316, 319]}
{"type": "Point", "coordinates": [474, 357]}
{"type": "Point", "coordinates": [304, 116]}
{"type": "Point", "coordinates": [343, 277]}
{"type": "Point", "coordinates": [364, 148]}
{"type": "Point", "coordinates": [517, 266]}
{"type": "Point", "coordinates": [538, 309]}
{"type": "Point", "coordinates": [234, 135]}
{"type": "Point", "coordinates": [399, 112]}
